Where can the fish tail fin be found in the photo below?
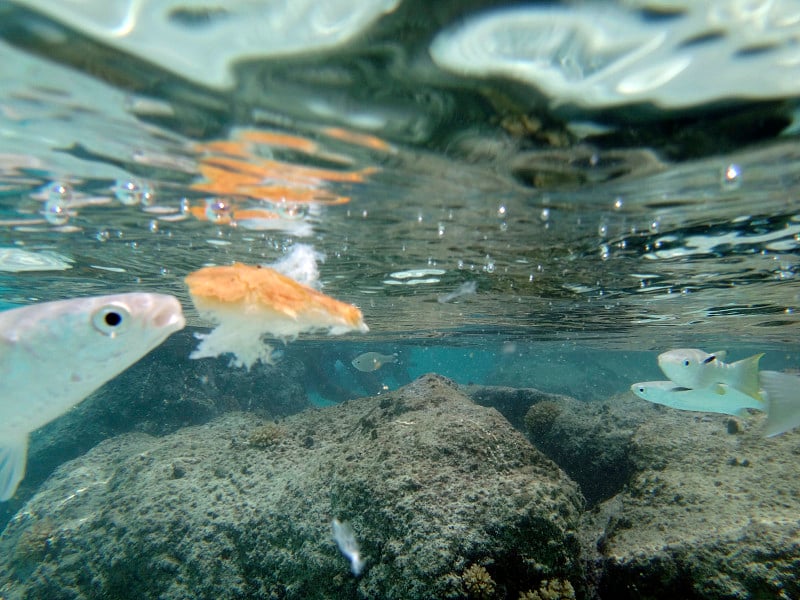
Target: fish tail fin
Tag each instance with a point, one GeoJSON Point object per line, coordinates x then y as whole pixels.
{"type": "Point", "coordinates": [744, 376]}
{"type": "Point", "coordinates": [783, 401]}
{"type": "Point", "coordinates": [13, 456]}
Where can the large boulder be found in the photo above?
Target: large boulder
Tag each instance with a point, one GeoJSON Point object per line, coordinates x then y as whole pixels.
{"type": "Point", "coordinates": [683, 505]}
{"type": "Point", "coordinates": [446, 499]}
{"type": "Point", "coordinates": [711, 510]}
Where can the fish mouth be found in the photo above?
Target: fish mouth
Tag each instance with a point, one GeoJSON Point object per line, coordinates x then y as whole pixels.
{"type": "Point", "coordinates": [169, 316]}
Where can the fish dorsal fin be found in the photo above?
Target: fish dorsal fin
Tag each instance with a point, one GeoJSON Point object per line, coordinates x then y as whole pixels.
{"type": "Point", "coordinates": [13, 455]}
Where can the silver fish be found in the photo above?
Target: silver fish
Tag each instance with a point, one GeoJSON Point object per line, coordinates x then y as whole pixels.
{"type": "Point", "coordinates": [695, 369]}
{"type": "Point", "coordinates": [54, 354]}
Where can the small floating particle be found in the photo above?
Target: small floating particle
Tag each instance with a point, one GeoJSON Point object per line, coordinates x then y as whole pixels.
{"type": "Point", "coordinates": [112, 269]}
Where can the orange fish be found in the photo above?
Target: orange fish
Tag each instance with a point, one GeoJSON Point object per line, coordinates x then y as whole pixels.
{"type": "Point", "coordinates": [247, 303]}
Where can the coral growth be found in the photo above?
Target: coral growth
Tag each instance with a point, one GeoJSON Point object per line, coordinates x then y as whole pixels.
{"type": "Point", "coordinates": [267, 435]}
{"type": "Point", "coordinates": [554, 589]}
{"type": "Point", "coordinates": [541, 416]}
{"type": "Point", "coordinates": [477, 583]}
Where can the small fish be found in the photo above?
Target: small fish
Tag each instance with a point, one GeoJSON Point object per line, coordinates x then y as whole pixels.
{"type": "Point", "coordinates": [695, 369]}
{"type": "Point", "coordinates": [54, 354]}
{"type": "Point", "coordinates": [781, 393]}
{"type": "Point", "coordinates": [727, 400]}
{"type": "Point", "coordinates": [345, 539]}
{"type": "Point", "coordinates": [372, 361]}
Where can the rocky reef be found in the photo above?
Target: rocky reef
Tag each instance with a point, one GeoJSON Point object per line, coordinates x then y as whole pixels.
{"type": "Point", "coordinates": [618, 499]}
{"type": "Point", "coordinates": [433, 485]}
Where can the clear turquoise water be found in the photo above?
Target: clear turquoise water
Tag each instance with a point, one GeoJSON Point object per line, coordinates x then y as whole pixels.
{"type": "Point", "coordinates": [589, 255]}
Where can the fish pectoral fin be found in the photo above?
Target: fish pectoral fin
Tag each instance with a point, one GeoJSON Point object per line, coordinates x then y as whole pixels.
{"type": "Point", "coordinates": [719, 389]}
{"type": "Point", "coordinates": [13, 456]}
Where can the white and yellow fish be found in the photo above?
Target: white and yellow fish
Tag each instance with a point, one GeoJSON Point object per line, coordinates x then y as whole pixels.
{"type": "Point", "coordinates": [54, 354]}
{"type": "Point", "coordinates": [780, 395]}
{"type": "Point", "coordinates": [372, 361]}
{"type": "Point", "coordinates": [695, 369]}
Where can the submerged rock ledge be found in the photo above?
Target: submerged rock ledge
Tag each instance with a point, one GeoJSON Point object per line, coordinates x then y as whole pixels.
{"type": "Point", "coordinates": [431, 483]}
{"type": "Point", "coordinates": [446, 498]}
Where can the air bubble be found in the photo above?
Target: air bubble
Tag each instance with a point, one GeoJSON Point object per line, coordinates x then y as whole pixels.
{"type": "Point", "coordinates": [441, 230]}
{"type": "Point", "coordinates": [618, 203]}
{"type": "Point", "coordinates": [501, 212]}
{"type": "Point", "coordinates": [655, 225]}
{"type": "Point", "coordinates": [295, 212]}
{"type": "Point", "coordinates": [545, 214]}
{"type": "Point", "coordinates": [731, 177]}
{"type": "Point", "coordinates": [130, 192]}
{"type": "Point", "coordinates": [602, 230]}
{"type": "Point", "coordinates": [56, 208]}
{"type": "Point", "coordinates": [217, 209]}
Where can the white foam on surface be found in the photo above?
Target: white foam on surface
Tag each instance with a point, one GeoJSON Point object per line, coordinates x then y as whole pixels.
{"type": "Point", "coordinates": [201, 40]}
{"type": "Point", "coordinates": [603, 55]}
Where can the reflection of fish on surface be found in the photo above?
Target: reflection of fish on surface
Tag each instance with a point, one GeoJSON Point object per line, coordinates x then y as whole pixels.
{"type": "Point", "coordinates": [372, 361]}
{"type": "Point", "coordinates": [54, 354]}
{"type": "Point", "coordinates": [248, 302]}
{"type": "Point", "coordinates": [695, 369]}
{"type": "Point", "coordinates": [781, 399]}
{"type": "Point", "coordinates": [238, 167]}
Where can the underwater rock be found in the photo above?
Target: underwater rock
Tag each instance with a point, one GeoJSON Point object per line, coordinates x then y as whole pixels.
{"type": "Point", "coordinates": [709, 511]}
{"type": "Point", "coordinates": [512, 403]}
{"type": "Point", "coordinates": [430, 482]}
{"type": "Point", "coordinates": [589, 440]}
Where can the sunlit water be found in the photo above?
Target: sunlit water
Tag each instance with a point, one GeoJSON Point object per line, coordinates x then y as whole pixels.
{"type": "Point", "coordinates": [665, 227]}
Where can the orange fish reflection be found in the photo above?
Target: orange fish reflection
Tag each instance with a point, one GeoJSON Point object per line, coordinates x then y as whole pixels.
{"type": "Point", "coordinates": [246, 166]}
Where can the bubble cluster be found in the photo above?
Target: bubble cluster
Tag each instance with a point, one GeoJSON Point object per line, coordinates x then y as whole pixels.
{"type": "Point", "coordinates": [56, 207]}
{"type": "Point", "coordinates": [132, 192]}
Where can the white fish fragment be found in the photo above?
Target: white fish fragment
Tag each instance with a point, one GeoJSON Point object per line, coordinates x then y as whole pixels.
{"type": "Point", "coordinates": [54, 354]}
{"type": "Point", "coordinates": [345, 539]}
{"type": "Point", "coordinates": [465, 289]}
{"type": "Point", "coordinates": [301, 265]}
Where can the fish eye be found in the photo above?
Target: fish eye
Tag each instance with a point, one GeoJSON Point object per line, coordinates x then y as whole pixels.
{"type": "Point", "coordinates": [686, 363]}
{"type": "Point", "coordinates": [641, 390]}
{"type": "Point", "coordinates": [111, 320]}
